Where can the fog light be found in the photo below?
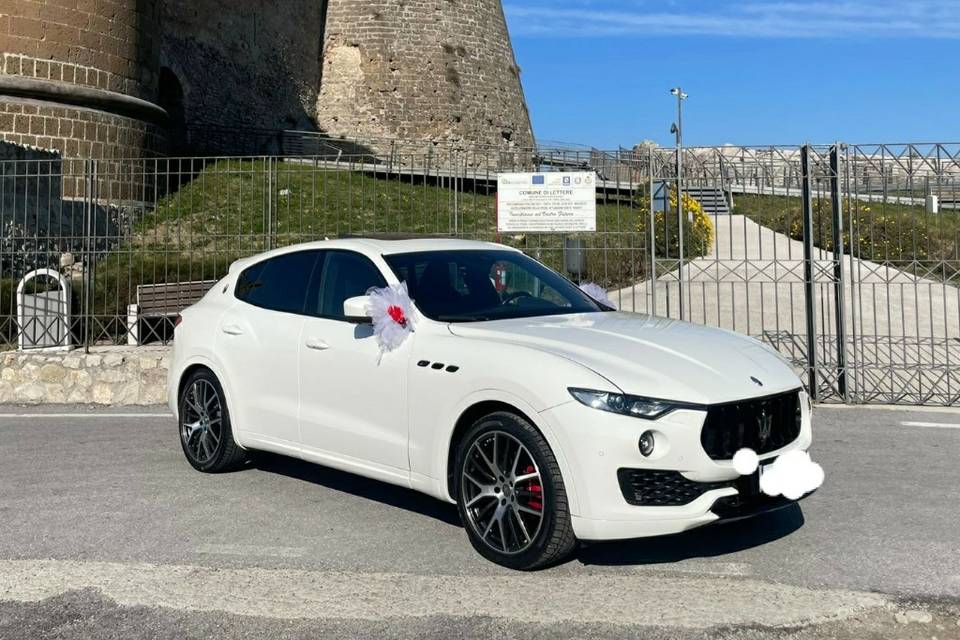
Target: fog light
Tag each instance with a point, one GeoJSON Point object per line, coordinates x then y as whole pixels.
{"type": "Point", "coordinates": [646, 443]}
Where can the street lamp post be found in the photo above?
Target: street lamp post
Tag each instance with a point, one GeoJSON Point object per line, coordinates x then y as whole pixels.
{"type": "Point", "coordinates": [677, 129]}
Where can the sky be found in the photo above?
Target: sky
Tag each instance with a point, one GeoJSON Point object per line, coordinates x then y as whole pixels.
{"type": "Point", "coordinates": [757, 72]}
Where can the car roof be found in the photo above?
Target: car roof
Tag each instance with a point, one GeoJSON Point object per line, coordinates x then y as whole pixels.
{"type": "Point", "coordinates": [414, 245]}
{"type": "Point", "coordinates": [378, 246]}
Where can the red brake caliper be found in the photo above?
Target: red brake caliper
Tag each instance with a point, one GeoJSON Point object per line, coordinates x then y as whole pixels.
{"type": "Point", "coordinates": [534, 501]}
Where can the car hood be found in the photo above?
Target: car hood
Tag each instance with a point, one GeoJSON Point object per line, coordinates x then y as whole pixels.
{"type": "Point", "coordinates": [650, 356]}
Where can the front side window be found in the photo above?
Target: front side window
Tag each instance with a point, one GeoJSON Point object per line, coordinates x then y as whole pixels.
{"type": "Point", "coordinates": [278, 284]}
{"type": "Point", "coordinates": [471, 286]}
{"type": "Point", "coordinates": [346, 274]}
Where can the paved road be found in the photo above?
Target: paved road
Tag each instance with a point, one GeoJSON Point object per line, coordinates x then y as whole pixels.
{"type": "Point", "coordinates": [105, 531]}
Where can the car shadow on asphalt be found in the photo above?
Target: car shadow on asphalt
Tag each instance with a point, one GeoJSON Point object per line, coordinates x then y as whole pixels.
{"type": "Point", "coordinates": [359, 486]}
{"type": "Point", "coordinates": [704, 542]}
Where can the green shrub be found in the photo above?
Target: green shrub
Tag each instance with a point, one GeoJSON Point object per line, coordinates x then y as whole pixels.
{"type": "Point", "coordinates": [905, 236]}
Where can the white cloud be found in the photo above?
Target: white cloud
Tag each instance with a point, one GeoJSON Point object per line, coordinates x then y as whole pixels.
{"type": "Point", "coordinates": [739, 18]}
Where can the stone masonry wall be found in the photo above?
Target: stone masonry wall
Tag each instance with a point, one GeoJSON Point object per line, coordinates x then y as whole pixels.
{"type": "Point", "coordinates": [75, 132]}
{"type": "Point", "coordinates": [247, 63]}
{"type": "Point", "coordinates": [113, 375]}
{"type": "Point", "coordinates": [440, 70]}
{"type": "Point", "coordinates": [63, 47]}
{"type": "Point", "coordinates": [102, 44]}
{"type": "Point", "coordinates": [165, 73]}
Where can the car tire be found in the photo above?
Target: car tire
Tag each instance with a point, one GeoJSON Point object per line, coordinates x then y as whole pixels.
{"type": "Point", "coordinates": [518, 517]}
{"type": "Point", "coordinates": [203, 426]}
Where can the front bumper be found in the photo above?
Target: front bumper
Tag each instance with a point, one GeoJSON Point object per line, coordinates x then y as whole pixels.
{"type": "Point", "coordinates": [597, 445]}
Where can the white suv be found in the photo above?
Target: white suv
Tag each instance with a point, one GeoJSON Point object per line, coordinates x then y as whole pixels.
{"type": "Point", "coordinates": [545, 415]}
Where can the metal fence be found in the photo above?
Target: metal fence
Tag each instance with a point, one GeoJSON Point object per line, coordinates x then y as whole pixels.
{"type": "Point", "coordinates": [827, 253]}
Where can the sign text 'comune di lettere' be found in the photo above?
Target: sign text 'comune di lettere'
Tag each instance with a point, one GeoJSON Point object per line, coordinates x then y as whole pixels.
{"type": "Point", "coordinates": [546, 202]}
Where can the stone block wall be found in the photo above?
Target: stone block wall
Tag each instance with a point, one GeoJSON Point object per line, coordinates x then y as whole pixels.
{"type": "Point", "coordinates": [76, 132]}
{"type": "Point", "coordinates": [128, 78]}
{"type": "Point", "coordinates": [80, 76]}
{"type": "Point", "coordinates": [441, 70]}
{"type": "Point", "coordinates": [244, 63]}
{"type": "Point", "coordinates": [108, 376]}
{"type": "Point", "coordinates": [102, 44]}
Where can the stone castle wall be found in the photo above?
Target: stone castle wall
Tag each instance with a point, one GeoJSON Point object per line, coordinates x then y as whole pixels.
{"type": "Point", "coordinates": [79, 77]}
{"type": "Point", "coordinates": [102, 44]}
{"type": "Point", "coordinates": [244, 63]}
{"type": "Point", "coordinates": [127, 78]}
{"type": "Point", "coordinates": [75, 132]}
{"type": "Point", "coordinates": [424, 70]}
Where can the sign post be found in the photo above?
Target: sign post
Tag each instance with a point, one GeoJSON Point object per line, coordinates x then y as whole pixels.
{"type": "Point", "coordinates": [546, 202]}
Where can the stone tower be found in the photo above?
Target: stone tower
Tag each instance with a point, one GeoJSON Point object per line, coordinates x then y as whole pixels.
{"type": "Point", "coordinates": [421, 69]}
{"type": "Point", "coordinates": [80, 77]}
{"type": "Point", "coordinates": [128, 78]}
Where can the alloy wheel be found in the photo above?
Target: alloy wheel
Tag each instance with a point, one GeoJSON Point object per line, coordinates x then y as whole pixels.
{"type": "Point", "coordinates": [201, 421]}
{"type": "Point", "coordinates": [502, 492]}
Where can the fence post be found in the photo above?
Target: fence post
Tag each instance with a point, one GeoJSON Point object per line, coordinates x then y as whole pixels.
{"type": "Point", "coordinates": [653, 245]}
{"type": "Point", "coordinates": [89, 262]}
{"type": "Point", "coordinates": [680, 221]}
{"type": "Point", "coordinates": [808, 283]}
{"type": "Point", "coordinates": [839, 274]}
{"type": "Point", "coordinates": [268, 227]}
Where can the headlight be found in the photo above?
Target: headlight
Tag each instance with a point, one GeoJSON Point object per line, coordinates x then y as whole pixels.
{"type": "Point", "coordinates": [635, 406]}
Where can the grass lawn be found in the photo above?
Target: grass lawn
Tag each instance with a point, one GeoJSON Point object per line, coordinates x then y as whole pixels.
{"type": "Point", "coordinates": [236, 208]}
{"type": "Point", "coordinates": [226, 212]}
{"type": "Point", "coordinates": [905, 236]}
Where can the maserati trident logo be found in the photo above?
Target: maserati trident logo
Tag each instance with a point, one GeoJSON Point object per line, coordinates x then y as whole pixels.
{"type": "Point", "coordinates": [764, 426]}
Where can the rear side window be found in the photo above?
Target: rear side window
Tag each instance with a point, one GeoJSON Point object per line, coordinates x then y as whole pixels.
{"type": "Point", "coordinates": [278, 284]}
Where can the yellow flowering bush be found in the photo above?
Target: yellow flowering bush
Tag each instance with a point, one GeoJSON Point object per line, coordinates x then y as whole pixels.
{"type": "Point", "coordinates": [703, 230]}
{"type": "Point", "coordinates": [698, 230]}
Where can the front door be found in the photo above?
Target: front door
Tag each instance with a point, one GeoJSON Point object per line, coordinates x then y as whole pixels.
{"type": "Point", "coordinates": [353, 402]}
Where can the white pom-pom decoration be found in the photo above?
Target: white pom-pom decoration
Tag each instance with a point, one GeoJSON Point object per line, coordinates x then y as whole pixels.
{"type": "Point", "coordinates": [596, 292]}
{"type": "Point", "coordinates": [393, 315]}
{"type": "Point", "coordinates": [792, 475]}
{"type": "Point", "coordinates": [746, 461]}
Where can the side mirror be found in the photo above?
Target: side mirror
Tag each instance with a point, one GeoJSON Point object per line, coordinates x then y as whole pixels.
{"type": "Point", "coordinates": [355, 309]}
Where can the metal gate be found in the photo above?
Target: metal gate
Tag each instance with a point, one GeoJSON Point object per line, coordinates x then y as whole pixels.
{"type": "Point", "coordinates": [833, 255]}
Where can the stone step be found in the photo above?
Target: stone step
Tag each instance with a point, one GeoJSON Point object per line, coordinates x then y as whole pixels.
{"type": "Point", "coordinates": [712, 199]}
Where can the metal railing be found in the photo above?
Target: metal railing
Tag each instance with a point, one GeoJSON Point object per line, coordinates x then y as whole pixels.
{"type": "Point", "coordinates": [827, 253]}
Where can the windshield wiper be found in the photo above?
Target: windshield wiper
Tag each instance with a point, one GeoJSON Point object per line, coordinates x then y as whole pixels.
{"type": "Point", "coordinates": [462, 318]}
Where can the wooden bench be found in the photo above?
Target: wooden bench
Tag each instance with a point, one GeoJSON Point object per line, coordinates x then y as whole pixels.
{"type": "Point", "coordinates": [162, 301]}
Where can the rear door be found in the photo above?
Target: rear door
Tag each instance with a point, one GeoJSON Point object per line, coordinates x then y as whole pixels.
{"type": "Point", "coordinates": [353, 402]}
{"type": "Point", "coordinates": [258, 340]}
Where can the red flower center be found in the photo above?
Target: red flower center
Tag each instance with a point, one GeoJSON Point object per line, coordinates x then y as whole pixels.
{"type": "Point", "coordinates": [396, 313]}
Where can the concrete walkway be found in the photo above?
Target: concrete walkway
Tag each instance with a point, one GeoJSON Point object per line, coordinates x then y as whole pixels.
{"type": "Point", "coordinates": [753, 282]}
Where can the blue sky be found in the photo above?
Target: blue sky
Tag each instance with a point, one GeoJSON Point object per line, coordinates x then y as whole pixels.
{"type": "Point", "coordinates": [757, 71]}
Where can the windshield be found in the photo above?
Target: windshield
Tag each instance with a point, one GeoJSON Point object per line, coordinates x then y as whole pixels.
{"type": "Point", "coordinates": [471, 286]}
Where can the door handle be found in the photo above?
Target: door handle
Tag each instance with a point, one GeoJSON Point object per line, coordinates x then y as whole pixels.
{"type": "Point", "coordinates": [317, 344]}
{"type": "Point", "coordinates": [232, 330]}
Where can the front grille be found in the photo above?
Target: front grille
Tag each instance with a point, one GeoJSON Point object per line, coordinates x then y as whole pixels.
{"type": "Point", "coordinates": [650, 488]}
{"type": "Point", "coordinates": [762, 424]}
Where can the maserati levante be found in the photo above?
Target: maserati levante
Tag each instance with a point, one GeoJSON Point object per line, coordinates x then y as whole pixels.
{"type": "Point", "coordinates": [486, 380]}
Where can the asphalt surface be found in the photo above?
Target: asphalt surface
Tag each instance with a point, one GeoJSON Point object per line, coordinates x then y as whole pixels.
{"type": "Point", "coordinates": [105, 531]}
